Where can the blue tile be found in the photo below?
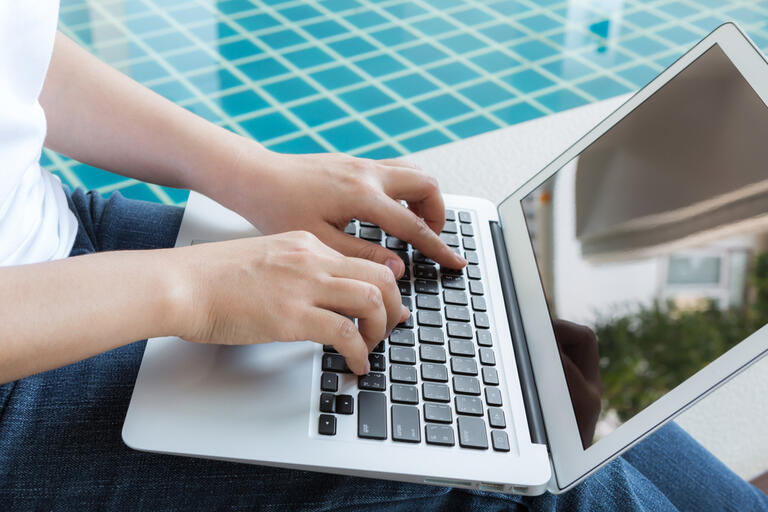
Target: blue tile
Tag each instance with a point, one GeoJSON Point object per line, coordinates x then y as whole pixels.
{"type": "Point", "coordinates": [508, 7]}
{"type": "Point", "coordinates": [213, 81]}
{"type": "Point", "coordinates": [396, 121]}
{"type": "Point", "coordinates": [572, 38]}
{"type": "Point", "coordinates": [234, 6]}
{"type": "Point", "coordinates": [472, 126]}
{"type": "Point", "coordinates": [145, 71]}
{"type": "Point", "coordinates": [138, 191]}
{"type": "Point", "coordinates": [527, 80]}
{"type": "Point", "coordinates": [495, 61]}
{"type": "Point", "coordinates": [601, 28]}
{"type": "Point", "coordinates": [380, 65]}
{"type": "Point", "coordinates": [210, 33]}
{"type": "Point", "coordinates": [173, 90]}
{"type": "Point", "coordinates": [262, 68]}
{"type": "Point", "coordinates": [394, 36]}
{"type": "Point", "coordinates": [299, 145]}
{"type": "Point", "coordinates": [340, 5]}
{"type": "Point", "coordinates": [443, 107]}
{"type": "Point", "coordinates": [677, 9]}
{"type": "Point", "coordinates": [667, 60]}
{"type": "Point", "coordinates": [144, 24]}
{"type": "Point", "coordinates": [258, 22]}
{"type": "Point", "coordinates": [282, 39]}
{"type": "Point", "coordinates": [339, 76]}
{"type": "Point", "coordinates": [425, 140]}
{"type": "Point", "coordinates": [322, 29]}
{"type": "Point", "coordinates": [568, 68]}
{"type": "Point", "coordinates": [708, 23]}
{"type": "Point", "coordinates": [422, 54]}
{"type": "Point", "coordinates": [534, 50]}
{"type": "Point", "coordinates": [349, 136]}
{"type": "Point", "coordinates": [366, 98]}
{"type": "Point", "coordinates": [77, 16]}
{"type": "Point", "coordinates": [486, 93]}
{"type": "Point", "coordinates": [518, 113]}
{"type": "Point", "coordinates": [445, 4]}
{"type": "Point", "coordinates": [204, 111]}
{"type": "Point", "coordinates": [453, 73]}
{"type": "Point", "coordinates": [562, 99]}
{"type": "Point", "coordinates": [471, 16]}
{"type": "Point", "coordinates": [352, 46]}
{"type": "Point", "coordinates": [538, 22]}
{"type": "Point", "coordinates": [605, 56]}
{"type": "Point", "coordinates": [745, 15]}
{"type": "Point", "coordinates": [462, 43]}
{"type": "Point", "coordinates": [366, 19]}
{"type": "Point", "coordinates": [300, 12]}
{"type": "Point", "coordinates": [603, 88]}
{"type": "Point", "coordinates": [411, 85]}
{"type": "Point", "coordinates": [45, 159]}
{"type": "Point", "coordinates": [318, 112]}
{"type": "Point", "coordinates": [381, 153]}
{"type": "Point", "coordinates": [639, 75]}
{"type": "Point", "coordinates": [643, 45]}
{"type": "Point", "coordinates": [239, 103]}
{"type": "Point", "coordinates": [191, 60]}
{"type": "Point", "coordinates": [643, 19]}
{"type": "Point", "coordinates": [290, 89]}
{"type": "Point", "coordinates": [268, 126]}
{"type": "Point", "coordinates": [308, 57]}
{"type": "Point", "coordinates": [177, 195]}
{"type": "Point", "coordinates": [94, 178]}
{"type": "Point", "coordinates": [502, 32]}
{"type": "Point", "coordinates": [192, 14]}
{"type": "Point", "coordinates": [167, 42]}
{"type": "Point", "coordinates": [405, 10]}
{"type": "Point", "coordinates": [238, 49]}
{"type": "Point", "coordinates": [434, 26]}
{"type": "Point", "coordinates": [680, 36]}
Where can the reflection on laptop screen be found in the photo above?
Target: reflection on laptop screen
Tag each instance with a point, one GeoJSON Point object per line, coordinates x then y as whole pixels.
{"type": "Point", "coordinates": [656, 238]}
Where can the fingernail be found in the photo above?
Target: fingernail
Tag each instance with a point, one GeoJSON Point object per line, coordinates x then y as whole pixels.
{"type": "Point", "coordinates": [367, 369]}
{"type": "Point", "coordinates": [394, 266]}
{"type": "Point", "coordinates": [404, 313]}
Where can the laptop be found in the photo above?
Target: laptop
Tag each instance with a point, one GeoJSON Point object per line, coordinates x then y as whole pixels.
{"type": "Point", "coordinates": [574, 332]}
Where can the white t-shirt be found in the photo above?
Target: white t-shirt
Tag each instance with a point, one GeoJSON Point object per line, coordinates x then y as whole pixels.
{"type": "Point", "coordinates": [35, 222]}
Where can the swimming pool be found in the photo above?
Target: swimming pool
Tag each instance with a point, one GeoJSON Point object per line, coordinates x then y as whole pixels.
{"type": "Point", "coordinates": [382, 78]}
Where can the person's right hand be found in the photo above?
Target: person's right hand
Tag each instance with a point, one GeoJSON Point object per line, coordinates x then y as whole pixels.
{"type": "Point", "coordinates": [288, 287]}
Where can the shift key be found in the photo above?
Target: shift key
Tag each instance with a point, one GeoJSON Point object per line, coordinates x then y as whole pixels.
{"type": "Point", "coordinates": [371, 415]}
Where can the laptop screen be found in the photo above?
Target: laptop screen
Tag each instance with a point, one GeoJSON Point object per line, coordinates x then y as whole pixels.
{"type": "Point", "coordinates": [652, 244]}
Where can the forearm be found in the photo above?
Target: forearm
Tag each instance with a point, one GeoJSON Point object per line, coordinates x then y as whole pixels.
{"type": "Point", "coordinates": [101, 117]}
{"type": "Point", "coordinates": [56, 313]}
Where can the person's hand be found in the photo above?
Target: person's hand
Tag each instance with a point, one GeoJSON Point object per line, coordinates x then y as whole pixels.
{"type": "Point", "coordinates": [322, 193]}
{"type": "Point", "coordinates": [579, 353]}
{"type": "Point", "coordinates": [287, 287]}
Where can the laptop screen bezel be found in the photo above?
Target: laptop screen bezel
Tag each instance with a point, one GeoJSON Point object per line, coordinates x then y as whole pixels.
{"type": "Point", "coordinates": [571, 463]}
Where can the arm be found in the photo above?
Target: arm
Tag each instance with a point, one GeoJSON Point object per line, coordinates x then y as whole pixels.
{"type": "Point", "coordinates": [101, 117]}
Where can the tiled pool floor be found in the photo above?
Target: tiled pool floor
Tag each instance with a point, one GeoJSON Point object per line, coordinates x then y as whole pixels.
{"type": "Point", "coordinates": [383, 78]}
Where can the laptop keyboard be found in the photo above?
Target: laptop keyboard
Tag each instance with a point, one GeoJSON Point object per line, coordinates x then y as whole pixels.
{"type": "Point", "coordinates": [438, 368]}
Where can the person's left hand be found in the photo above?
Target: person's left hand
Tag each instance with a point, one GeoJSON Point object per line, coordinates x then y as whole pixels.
{"type": "Point", "coordinates": [321, 193]}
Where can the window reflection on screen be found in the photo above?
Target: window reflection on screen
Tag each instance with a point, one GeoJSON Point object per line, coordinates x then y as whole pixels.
{"type": "Point", "coordinates": [656, 238]}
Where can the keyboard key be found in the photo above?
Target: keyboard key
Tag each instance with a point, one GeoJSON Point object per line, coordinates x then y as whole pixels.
{"type": "Point", "coordinates": [449, 240]}
{"type": "Point", "coordinates": [472, 433]}
{"type": "Point", "coordinates": [373, 234]}
{"type": "Point", "coordinates": [484, 338]}
{"type": "Point", "coordinates": [487, 357]}
{"type": "Point", "coordinates": [378, 362]}
{"type": "Point", "coordinates": [458, 313]}
{"type": "Point", "coordinates": [469, 243]}
{"type": "Point", "coordinates": [437, 392]}
{"type": "Point", "coordinates": [406, 259]}
{"type": "Point", "coordinates": [432, 353]}
{"type": "Point", "coordinates": [407, 323]}
{"type": "Point", "coordinates": [345, 404]}
{"type": "Point", "coordinates": [461, 348]}
{"type": "Point", "coordinates": [469, 405]}
{"type": "Point", "coordinates": [496, 418]}
{"type": "Point", "coordinates": [454, 282]}
{"type": "Point", "coordinates": [402, 355]}
{"type": "Point", "coordinates": [459, 330]}
{"type": "Point", "coordinates": [471, 257]}
{"type": "Point", "coordinates": [478, 303]}
{"type": "Point", "coordinates": [401, 337]}
{"type": "Point", "coordinates": [465, 218]}
{"type": "Point", "coordinates": [466, 230]}
{"type": "Point", "coordinates": [405, 424]}
{"type": "Point", "coordinates": [450, 227]}
{"type": "Point", "coordinates": [440, 434]}
{"type": "Point", "coordinates": [431, 335]}
{"type": "Point", "coordinates": [436, 372]}
{"type": "Point", "coordinates": [404, 393]}
{"type": "Point", "coordinates": [450, 215]}
{"type": "Point", "coordinates": [490, 377]}
{"type": "Point", "coordinates": [418, 257]}
{"type": "Point", "coordinates": [402, 373]}
{"type": "Point", "coordinates": [372, 382]}
{"type": "Point", "coordinates": [422, 271]}
{"type": "Point", "coordinates": [473, 272]}
{"type": "Point", "coordinates": [327, 425]}
{"type": "Point", "coordinates": [396, 244]}
{"type": "Point", "coordinates": [482, 321]}
{"type": "Point", "coordinates": [428, 302]}
{"type": "Point", "coordinates": [466, 385]}
{"type": "Point", "coordinates": [379, 348]}
{"type": "Point", "coordinates": [367, 224]}
{"type": "Point", "coordinates": [463, 365]}
{"type": "Point", "coordinates": [335, 363]}
{"type": "Point", "coordinates": [371, 415]}
{"type": "Point", "coordinates": [408, 302]}
{"type": "Point", "coordinates": [493, 396]}
{"type": "Point", "coordinates": [500, 440]}
{"type": "Point", "coordinates": [475, 287]}
{"type": "Point", "coordinates": [439, 413]}
{"type": "Point", "coordinates": [404, 287]}
{"type": "Point", "coordinates": [351, 229]}
{"type": "Point", "coordinates": [329, 382]}
{"type": "Point", "coordinates": [424, 286]}
{"type": "Point", "coordinates": [455, 297]}
{"type": "Point", "coordinates": [327, 401]}
{"type": "Point", "coordinates": [429, 318]}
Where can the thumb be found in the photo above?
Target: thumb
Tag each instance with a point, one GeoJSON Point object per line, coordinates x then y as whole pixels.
{"type": "Point", "coordinates": [357, 248]}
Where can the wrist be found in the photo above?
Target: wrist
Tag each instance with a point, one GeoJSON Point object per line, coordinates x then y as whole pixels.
{"type": "Point", "coordinates": [178, 295]}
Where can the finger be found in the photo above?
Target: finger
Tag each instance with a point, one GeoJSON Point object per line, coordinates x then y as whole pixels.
{"type": "Point", "coordinates": [418, 189]}
{"type": "Point", "coordinates": [357, 248]}
{"type": "Point", "coordinates": [329, 328]}
{"type": "Point", "coordinates": [397, 162]}
{"type": "Point", "coordinates": [402, 223]}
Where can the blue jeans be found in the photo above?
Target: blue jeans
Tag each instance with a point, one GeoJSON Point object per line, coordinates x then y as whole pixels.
{"type": "Point", "coordinates": [60, 444]}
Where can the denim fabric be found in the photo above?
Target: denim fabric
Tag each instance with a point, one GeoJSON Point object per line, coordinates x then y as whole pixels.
{"type": "Point", "coordinates": [60, 444]}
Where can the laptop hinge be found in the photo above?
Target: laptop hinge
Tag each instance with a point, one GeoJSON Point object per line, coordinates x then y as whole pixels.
{"type": "Point", "coordinates": [520, 345]}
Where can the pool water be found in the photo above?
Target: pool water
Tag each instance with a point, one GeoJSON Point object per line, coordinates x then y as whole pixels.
{"type": "Point", "coordinates": [382, 78]}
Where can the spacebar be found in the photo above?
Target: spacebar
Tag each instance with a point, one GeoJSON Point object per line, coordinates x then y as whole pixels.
{"type": "Point", "coordinates": [372, 415]}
